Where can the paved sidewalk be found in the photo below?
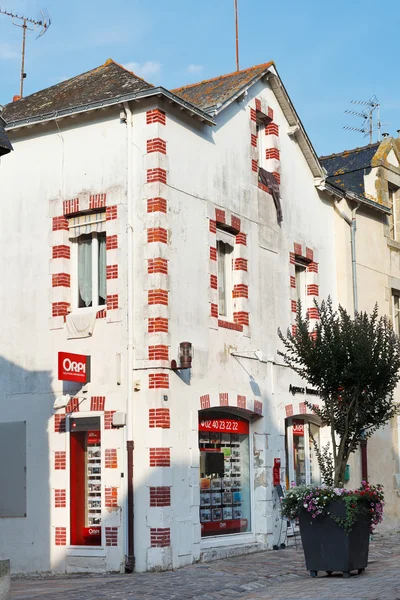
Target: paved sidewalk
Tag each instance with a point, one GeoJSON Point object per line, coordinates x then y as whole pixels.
{"type": "Point", "coordinates": [278, 575]}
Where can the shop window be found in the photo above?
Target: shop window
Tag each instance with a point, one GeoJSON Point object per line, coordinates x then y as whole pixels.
{"type": "Point", "coordinates": [224, 474]}
{"type": "Point", "coordinates": [225, 246]}
{"type": "Point", "coordinates": [302, 466]}
{"type": "Point", "coordinates": [85, 481]}
{"type": "Point", "coordinates": [396, 312]}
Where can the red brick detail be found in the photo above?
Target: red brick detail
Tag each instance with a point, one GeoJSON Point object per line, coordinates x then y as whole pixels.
{"type": "Point", "coordinates": [302, 408]}
{"type": "Point", "coordinates": [258, 104]}
{"type": "Point", "coordinates": [272, 153]}
{"type": "Point", "coordinates": [160, 457]}
{"type": "Point", "coordinates": [229, 325]}
{"type": "Point", "coordinates": [61, 280]}
{"type": "Point", "coordinates": [298, 249]}
{"type": "Point", "coordinates": [219, 215]}
{"type": "Point", "coordinates": [59, 423]}
{"type": "Point", "coordinates": [223, 399]}
{"type": "Point", "coordinates": [253, 114]}
{"type": "Point", "coordinates": [72, 406]}
{"type": "Point", "coordinates": [294, 329]}
{"type": "Point", "coordinates": [108, 419]}
{"type": "Point", "coordinates": [97, 201]}
{"type": "Point", "coordinates": [157, 145]}
{"type": "Point", "coordinates": [60, 460]}
{"type": "Point", "coordinates": [293, 306]}
{"type": "Point", "coordinates": [112, 301]}
{"type": "Point", "coordinates": [61, 251]}
{"type": "Point", "coordinates": [292, 281]}
{"type": "Point", "coordinates": [214, 310]}
{"type": "Point", "coordinates": [292, 258]}
{"type": "Point", "coordinates": [205, 401]}
{"type": "Point", "coordinates": [240, 290]}
{"type": "Point", "coordinates": [264, 188]}
{"type": "Point", "coordinates": [112, 272]}
{"type": "Point", "coordinates": [110, 458]}
{"type": "Point", "coordinates": [240, 264]}
{"type": "Point", "coordinates": [241, 401]}
{"type": "Point", "coordinates": [213, 226]}
{"type": "Point", "coordinates": [60, 498]}
{"type": "Point", "coordinates": [70, 206]}
{"type": "Point", "coordinates": [157, 297]}
{"type": "Point", "coordinates": [289, 410]}
{"type": "Point", "coordinates": [111, 242]}
{"type": "Point", "coordinates": [156, 205]}
{"type": "Point", "coordinates": [312, 267]}
{"type": "Point", "coordinates": [309, 254]}
{"type": "Point", "coordinates": [241, 317]}
{"type": "Point", "coordinates": [270, 113]}
{"type": "Point", "coordinates": [60, 223]}
{"type": "Point", "coordinates": [235, 223]}
{"type": "Point", "coordinates": [97, 403]}
{"type": "Point", "coordinates": [258, 407]}
{"type": "Point", "coordinates": [277, 177]}
{"type": "Point", "coordinates": [157, 325]}
{"type": "Point", "coordinates": [254, 140]}
{"type": "Point", "coordinates": [111, 497]}
{"type": "Point", "coordinates": [59, 309]}
{"type": "Point", "coordinates": [241, 238]}
{"type": "Point", "coordinates": [60, 536]}
{"type": "Point", "coordinates": [158, 381]}
{"type": "Point", "coordinates": [159, 352]}
{"type": "Point", "coordinates": [313, 335]}
{"type": "Point", "coordinates": [213, 253]}
{"type": "Point", "coordinates": [156, 174]}
{"type": "Point", "coordinates": [272, 129]}
{"type": "Point", "coordinates": [157, 265]}
{"type": "Point", "coordinates": [254, 165]}
{"type": "Point", "coordinates": [160, 537]}
{"type": "Point", "coordinates": [111, 213]}
{"type": "Point", "coordinates": [111, 536]}
{"type": "Point", "coordinates": [159, 417]}
{"type": "Point", "coordinates": [160, 496]}
{"type": "Point", "coordinates": [101, 314]}
{"type": "Point", "coordinates": [213, 282]}
{"type": "Point", "coordinates": [313, 313]}
{"type": "Point", "coordinates": [155, 116]}
{"type": "Point", "coordinates": [157, 234]}
{"type": "Point", "coordinates": [312, 290]}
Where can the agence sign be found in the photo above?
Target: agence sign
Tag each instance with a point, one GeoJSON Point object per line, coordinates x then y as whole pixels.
{"type": "Point", "coordinates": [73, 367]}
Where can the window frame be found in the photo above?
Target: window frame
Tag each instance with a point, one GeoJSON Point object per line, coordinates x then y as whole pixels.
{"type": "Point", "coordinates": [300, 273]}
{"type": "Point", "coordinates": [95, 272]}
{"type": "Point", "coordinates": [396, 311]}
{"type": "Point", "coordinates": [226, 238]}
{"type": "Point", "coordinates": [393, 197]}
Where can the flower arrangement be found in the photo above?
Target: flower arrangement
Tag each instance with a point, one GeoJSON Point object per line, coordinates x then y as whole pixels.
{"type": "Point", "coordinates": [367, 500]}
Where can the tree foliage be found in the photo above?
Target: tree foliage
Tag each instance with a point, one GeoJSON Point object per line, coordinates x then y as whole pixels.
{"type": "Point", "coordinates": [354, 364]}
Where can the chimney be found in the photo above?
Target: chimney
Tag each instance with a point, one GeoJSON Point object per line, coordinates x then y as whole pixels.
{"type": "Point", "coordinates": [385, 135]}
{"type": "Point", "coordinates": [398, 133]}
{"type": "Point", "coordinates": [15, 98]}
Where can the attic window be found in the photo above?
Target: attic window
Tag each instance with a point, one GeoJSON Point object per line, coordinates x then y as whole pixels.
{"type": "Point", "coordinates": [394, 218]}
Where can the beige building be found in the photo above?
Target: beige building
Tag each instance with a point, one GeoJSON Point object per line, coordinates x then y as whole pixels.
{"type": "Point", "coordinates": [364, 184]}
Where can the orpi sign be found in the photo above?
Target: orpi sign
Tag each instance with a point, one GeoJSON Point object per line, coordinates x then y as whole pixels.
{"type": "Point", "coordinates": [73, 367]}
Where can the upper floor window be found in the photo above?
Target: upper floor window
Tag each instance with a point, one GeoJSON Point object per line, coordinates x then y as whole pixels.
{"type": "Point", "coordinates": [396, 312]}
{"type": "Point", "coordinates": [394, 218]}
{"type": "Point", "coordinates": [300, 275]}
{"type": "Point", "coordinates": [225, 246]}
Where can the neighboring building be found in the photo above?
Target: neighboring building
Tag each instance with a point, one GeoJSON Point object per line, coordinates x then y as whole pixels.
{"type": "Point", "coordinates": [146, 232]}
{"type": "Point", "coordinates": [365, 185]}
{"type": "Point", "coordinates": [5, 146]}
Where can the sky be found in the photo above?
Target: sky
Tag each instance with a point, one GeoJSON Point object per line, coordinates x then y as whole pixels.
{"type": "Point", "coordinates": [327, 53]}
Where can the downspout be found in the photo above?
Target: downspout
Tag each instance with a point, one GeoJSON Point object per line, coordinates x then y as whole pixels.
{"type": "Point", "coordinates": [353, 228]}
{"type": "Point", "coordinates": [130, 557]}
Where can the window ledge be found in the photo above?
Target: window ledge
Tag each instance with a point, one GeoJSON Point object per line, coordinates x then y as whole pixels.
{"type": "Point", "coordinates": [393, 244]}
{"type": "Point", "coordinates": [230, 325]}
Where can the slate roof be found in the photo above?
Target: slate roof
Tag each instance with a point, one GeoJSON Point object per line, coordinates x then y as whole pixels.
{"type": "Point", "coordinates": [346, 169]}
{"type": "Point", "coordinates": [210, 93]}
{"type": "Point", "coordinates": [5, 145]}
{"type": "Point", "coordinates": [105, 82]}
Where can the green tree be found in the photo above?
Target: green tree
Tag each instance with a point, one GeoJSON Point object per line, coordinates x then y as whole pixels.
{"type": "Point", "coordinates": [354, 364]}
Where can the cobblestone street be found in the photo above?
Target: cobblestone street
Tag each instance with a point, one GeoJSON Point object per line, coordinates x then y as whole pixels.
{"type": "Point", "coordinates": [270, 575]}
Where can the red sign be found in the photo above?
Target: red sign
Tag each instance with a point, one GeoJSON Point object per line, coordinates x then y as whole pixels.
{"type": "Point", "coordinates": [73, 367]}
{"type": "Point", "coordinates": [235, 524]}
{"type": "Point", "coordinates": [224, 425]}
{"type": "Point", "coordinates": [93, 437]}
{"type": "Point", "coordinates": [298, 428]}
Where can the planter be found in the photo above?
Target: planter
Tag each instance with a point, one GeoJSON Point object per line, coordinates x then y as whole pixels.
{"type": "Point", "coordinates": [328, 547]}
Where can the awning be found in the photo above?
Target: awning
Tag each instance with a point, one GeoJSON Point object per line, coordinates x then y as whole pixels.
{"type": "Point", "coordinates": [85, 224]}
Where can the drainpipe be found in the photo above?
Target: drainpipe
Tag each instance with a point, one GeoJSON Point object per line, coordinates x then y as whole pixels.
{"type": "Point", "coordinates": [353, 225]}
{"type": "Point", "coordinates": [130, 557]}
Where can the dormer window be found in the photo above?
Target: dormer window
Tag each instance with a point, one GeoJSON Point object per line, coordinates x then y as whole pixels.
{"type": "Point", "coordinates": [394, 218]}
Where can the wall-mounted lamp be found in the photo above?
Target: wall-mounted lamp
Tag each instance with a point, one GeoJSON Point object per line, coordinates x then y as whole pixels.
{"type": "Point", "coordinates": [185, 356]}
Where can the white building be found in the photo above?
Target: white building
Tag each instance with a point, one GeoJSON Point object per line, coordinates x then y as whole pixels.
{"type": "Point", "coordinates": [133, 219]}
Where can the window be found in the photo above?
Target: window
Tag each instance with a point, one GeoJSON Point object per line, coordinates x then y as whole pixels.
{"type": "Point", "coordinates": [225, 245]}
{"type": "Point", "coordinates": [302, 466]}
{"type": "Point", "coordinates": [396, 312]}
{"type": "Point", "coordinates": [91, 280]}
{"type": "Point", "coordinates": [224, 474]}
{"type": "Point", "coordinates": [394, 218]}
{"type": "Point", "coordinates": [300, 275]}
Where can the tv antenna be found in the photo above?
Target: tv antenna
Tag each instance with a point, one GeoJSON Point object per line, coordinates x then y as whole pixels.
{"type": "Point", "coordinates": [367, 126]}
{"type": "Point", "coordinates": [43, 22]}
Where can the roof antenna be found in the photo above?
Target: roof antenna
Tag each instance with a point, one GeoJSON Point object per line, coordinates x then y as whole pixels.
{"type": "Point", "coordinates": [368, 126]}
{"type": "Point", "coordinates": [43, 21]}
{"type": "Point", "coordinates": [237, 34]}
